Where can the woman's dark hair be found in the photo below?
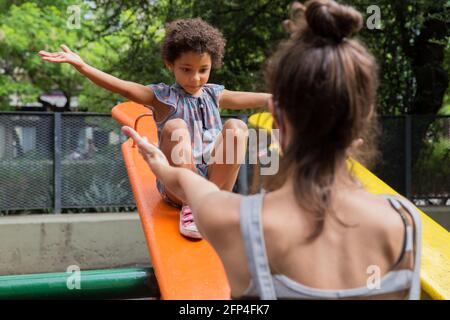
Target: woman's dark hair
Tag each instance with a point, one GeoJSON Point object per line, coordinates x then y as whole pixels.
{"type": "Point", "coordinates": [325, 85]}
{"type": "Point", "coordinates": [193, 35]}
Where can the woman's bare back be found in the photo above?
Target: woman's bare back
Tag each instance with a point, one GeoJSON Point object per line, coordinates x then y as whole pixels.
{"type": "Point", "coordinates": [341, 257]}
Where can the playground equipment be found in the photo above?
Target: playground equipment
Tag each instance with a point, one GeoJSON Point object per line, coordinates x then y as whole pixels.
{"type": "Point", "coordinates": [111, 284]}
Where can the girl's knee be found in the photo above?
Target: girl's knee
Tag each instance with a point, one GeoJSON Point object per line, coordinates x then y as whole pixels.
{"type": "Point", "coordinates": [172, 126]}
{"type": "Point", "coordinates": [236, 127]}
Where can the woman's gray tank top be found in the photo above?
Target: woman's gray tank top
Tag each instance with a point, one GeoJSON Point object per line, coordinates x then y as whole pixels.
{"type": "Point", "coordinates": [267, 286]}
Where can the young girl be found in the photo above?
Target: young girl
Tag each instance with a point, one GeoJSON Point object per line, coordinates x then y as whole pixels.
{"type": "Point", "coordinates": [316, 233]}
{"type": "Point", "coordinates": [190, 130]}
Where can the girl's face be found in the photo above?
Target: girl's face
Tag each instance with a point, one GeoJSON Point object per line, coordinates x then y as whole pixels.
{"type": "Point", "coordinates": [191, 71]}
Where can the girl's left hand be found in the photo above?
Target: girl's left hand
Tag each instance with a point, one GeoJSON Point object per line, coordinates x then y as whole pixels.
{"type": "Point", "coordinates": [151, 153]}
{"type": "Point", "coordinates": [67, 56]}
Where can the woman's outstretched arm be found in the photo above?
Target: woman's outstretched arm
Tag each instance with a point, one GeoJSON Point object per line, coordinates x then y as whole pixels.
{"type": "Point", "coordinates": [188, 186]}
{"type": "Point", "coordinates": [207, 201]}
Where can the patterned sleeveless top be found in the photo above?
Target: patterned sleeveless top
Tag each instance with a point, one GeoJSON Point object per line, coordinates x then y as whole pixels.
{"type": "Point", "coordinates": [201, 115]}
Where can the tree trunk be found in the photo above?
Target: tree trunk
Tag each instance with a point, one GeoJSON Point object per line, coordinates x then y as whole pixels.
{"type": "Point", "coordinates": [67, 105]}
{"type": "Point", "coordinates": [431, 78]}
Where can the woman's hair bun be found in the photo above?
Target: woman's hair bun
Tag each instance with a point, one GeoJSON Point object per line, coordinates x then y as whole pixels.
{"type": "Point", "coordinates": [328, 19]}
{"type": "Point", "coordinates": [296, 17]}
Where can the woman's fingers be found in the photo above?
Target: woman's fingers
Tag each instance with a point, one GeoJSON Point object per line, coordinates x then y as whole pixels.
{"type": "Point", "coordinates": [140, 141]}
{"type": "Point", "coordinates": [149, 148]}
{"type": "Point", "coordinates": [151, 153]}
{"type": "Point", "coordinates": [131, 133]}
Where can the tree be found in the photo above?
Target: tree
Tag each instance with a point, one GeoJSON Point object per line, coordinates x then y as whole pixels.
{"type": "Point", "coordinates": [123, 37]}
{"type": "Point", "coordinates": [29, 27]}
{"type": "Point", "coordinates": [410, 46]}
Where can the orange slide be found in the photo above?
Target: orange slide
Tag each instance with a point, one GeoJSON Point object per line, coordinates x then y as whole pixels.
{"type": "Point", "coordinates": [185, 269]}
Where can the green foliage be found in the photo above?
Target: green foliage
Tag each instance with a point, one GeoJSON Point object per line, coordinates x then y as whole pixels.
{"type": "Point", "coordinates": [403, 48]}
{"type": "Point", "coordinates": [123, 37]}
{"type": "Point", "coordinates": [18, 182]}
{"type": "Point", "coordinates": [445, 111]}
{"type": "Point", "coordinates": [432, 172]}
{"type": "Point", "coordinates": [252, 29]}
{"type": "Point", "coordinates": [101, 192]}
{"type": "Point", "coordinates": [29, 27]}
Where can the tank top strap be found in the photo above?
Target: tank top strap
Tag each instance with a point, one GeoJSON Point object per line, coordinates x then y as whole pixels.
{"type": "Point", "coordinates": [253, 237]}
{"type": "Point", "coordinates": [409, 237]}
{"type": "Point", "coordinates": [413, 241]}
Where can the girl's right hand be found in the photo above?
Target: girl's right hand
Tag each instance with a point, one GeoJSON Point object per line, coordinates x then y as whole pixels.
{"type": "Point", "coordinates": [62, 57]}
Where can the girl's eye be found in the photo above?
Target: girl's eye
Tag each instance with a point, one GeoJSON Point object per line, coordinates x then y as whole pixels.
{"type": "Point", "coordinates": [185, 69]}
{"type": "Point", "coordinates": [203, 70]}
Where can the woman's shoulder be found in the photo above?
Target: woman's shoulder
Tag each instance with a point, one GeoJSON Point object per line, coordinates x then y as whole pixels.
{"type": "Point", "coordinates": [371, 210]}
{"type": "Point", "coordinates": [388, 210]}
{"type": "Point", "coordinates": [384, 222]}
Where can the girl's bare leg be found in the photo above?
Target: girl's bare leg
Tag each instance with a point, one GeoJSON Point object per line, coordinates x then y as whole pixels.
{"type": "Point", "coordinates": [175, 133]}
{"type": "Point", "coordinates": [228, 154]}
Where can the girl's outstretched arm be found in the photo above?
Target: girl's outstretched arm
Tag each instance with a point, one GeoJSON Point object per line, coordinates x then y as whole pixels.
{"type": "Point", "coordinates": [243, 100]}
{"type": "Point", "coordinates": [130, 90]}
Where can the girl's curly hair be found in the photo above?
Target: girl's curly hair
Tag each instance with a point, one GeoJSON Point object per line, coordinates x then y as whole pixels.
{"type": "Point", "coordinates": [193, 35]}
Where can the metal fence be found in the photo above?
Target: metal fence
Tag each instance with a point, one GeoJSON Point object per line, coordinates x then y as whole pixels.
{"type": "Point", "coordinates": [415, 157]}
{"type": "Point", "coordinates": [55, 161]}
{"type": "Point", "coordinates": [58, 161]}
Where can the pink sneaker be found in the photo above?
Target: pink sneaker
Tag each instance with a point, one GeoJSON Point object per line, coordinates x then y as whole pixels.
{"type": "Point", "coordinates": [187, 224]}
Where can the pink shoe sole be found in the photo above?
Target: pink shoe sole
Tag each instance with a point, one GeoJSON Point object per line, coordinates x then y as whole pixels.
{"type": "Point", "coordinates": [188, 229]}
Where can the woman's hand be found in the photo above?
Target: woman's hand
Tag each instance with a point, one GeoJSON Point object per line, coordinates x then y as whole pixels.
{"type": "Point", "coordinates": [151, 153]}
{"type": "Point", "coordinates": [62, 57]}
